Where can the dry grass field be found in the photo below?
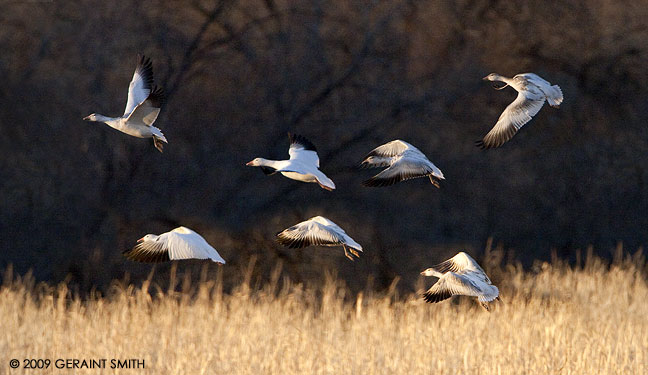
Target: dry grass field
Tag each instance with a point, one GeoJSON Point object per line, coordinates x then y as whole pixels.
{"type": "Point", "coordinates": [554, 319]}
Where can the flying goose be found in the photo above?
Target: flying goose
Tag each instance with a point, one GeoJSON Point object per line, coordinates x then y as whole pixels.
{"type": "Point", "coordinates": [180, 243]}
{"type": "Point", "coordinates": [532, 93]}
{"type": "Point", "coordinates": [303, 164]}
{"type": "Point", "coordinates": [460, 275]}
{"type": "Point", "coordinates": [404, 161]}
{"type": "Point", "coordinates": [142, 108]}
{"type": "Point", "coordinates": [319, 231]}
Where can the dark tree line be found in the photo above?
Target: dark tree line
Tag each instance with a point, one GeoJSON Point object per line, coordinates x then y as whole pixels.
{"type": "Point", "coordinates": [348, 75]}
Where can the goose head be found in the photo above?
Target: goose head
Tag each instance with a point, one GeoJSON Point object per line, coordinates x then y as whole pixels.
{"type": "Point", "coordinates": [148, 237]}
{"type": "Point", "coordinates": [257, 162]}
{"type": "Point", "coordinates": [429, 272]}
{"type": "Point", "coordinates": [492, 77]}
{"type": "Point", "coordinates": [91, 117]}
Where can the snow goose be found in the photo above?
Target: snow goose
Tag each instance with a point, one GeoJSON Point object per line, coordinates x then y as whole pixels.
{"type": "Point", "coordinates": [303, 164]}
{"type": "Point", "coordinates": [319, 231]}
{"type": "Point", "coordinates": [180, 243]}
{"type": "Point", "coordinates": [532, 93]}
{"type": "Point", "coordinates": [142, 108]}
{"type": "Point", "coordinates": [460, 275]}
{"type": "Point", "coordinates": [404, 161]}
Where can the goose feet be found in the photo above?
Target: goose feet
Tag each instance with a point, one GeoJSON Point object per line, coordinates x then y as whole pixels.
{"type": "Point", "coordinates": [348, 252]}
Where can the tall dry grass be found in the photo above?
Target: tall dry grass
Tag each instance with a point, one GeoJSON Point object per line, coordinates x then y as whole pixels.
{"type": "Point", "coordinates": [554, 319]}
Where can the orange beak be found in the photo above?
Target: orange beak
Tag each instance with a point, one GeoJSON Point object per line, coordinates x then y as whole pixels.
{"type": "Point", "coordinates": [249, 162]}
{"type": "Point", "coordinates": [140, 240]}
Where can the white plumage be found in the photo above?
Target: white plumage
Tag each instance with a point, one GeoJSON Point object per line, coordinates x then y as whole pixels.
{"type": "Point", "coordinates": [319, 231]}
{"type": "Point", "coordinates": [303, 164]}
{"type": "Point", "coordinates": [532, 93]}
{"type": "Point", "coordinates": [460, 275]}
{"type": "Point", "coordinates": [404, 161]}
{"type": "Point", "coordinates": [180, 243]}
{"type": "Point", "coordinates": [142, 108]}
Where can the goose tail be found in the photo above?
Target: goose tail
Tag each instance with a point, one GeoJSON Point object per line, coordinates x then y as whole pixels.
{"type": "Point", "coordinates": [555, 96]}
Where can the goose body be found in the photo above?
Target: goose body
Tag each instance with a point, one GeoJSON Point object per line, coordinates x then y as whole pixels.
{"type": "Point", "coordinates": [404, 162]}
{"type": "Point", "coordinates": [460, 275]}
{"type": "Point", "coordinates": [533, 91]}
{"type": "Point", "coordinates": [142, 108]}
{"type": "Point", "coordinates": [319, 231]}
{"type": "Point", "coordinates": [303, 164]}
{"type": "Point", "coordinates": [180, 243]}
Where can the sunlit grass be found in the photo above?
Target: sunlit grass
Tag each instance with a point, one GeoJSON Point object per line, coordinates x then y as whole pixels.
{"type": "Point", "coordinates": [553, 320]}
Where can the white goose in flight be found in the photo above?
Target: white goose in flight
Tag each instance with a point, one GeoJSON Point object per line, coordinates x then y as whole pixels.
{"type": "Point", "coordinates": [303, 164]}
{"type": "Point", "coordinates": [180, 243]}
{"type": "Point", "coordinates": [532, 93]}
{"type": "Point", "coordinates": [460, 275]}
{"type": "Point", "coordinates": [142, 108]}
{"type": "Point", "coordinates": [404, 161]}
{"type": "Point", "coordinates": [319, 231]}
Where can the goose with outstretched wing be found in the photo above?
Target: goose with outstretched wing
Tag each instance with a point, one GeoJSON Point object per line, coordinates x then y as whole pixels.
{"type": "Point", "coordinates": [532, 93]}
{"type": "Point", "coordinates": [319, 231]}
{"type": "Point", "coordinates": [142, 108]}
{"type": "Point", "coordinates": [303, 164]}
{"type": "Point", "coordinates": [460, 275]}
{"type": "Point", "coordinates": [404, 162]}
{"type": "Point", "coordinates": [180, 243]}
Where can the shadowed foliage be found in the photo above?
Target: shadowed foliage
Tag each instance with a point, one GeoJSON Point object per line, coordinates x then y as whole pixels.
{"type": "Point", "coordinates": [348, 75]}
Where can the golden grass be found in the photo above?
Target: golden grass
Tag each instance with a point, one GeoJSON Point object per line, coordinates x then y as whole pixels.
{"type": "Point", "coordinates": [557, 320]}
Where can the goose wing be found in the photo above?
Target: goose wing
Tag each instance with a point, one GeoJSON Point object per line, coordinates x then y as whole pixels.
{"type": "Point", "coordinates": [346, 239]}
{"type": "Point", "coordinates": [180, 243]}
{"type": "Point", "coordinates": [461, 263]}
{"type": "Point", "coordinates": [405, 167]}
{"type": "Point", "coordinates": [451, 284]}
{"type": "Point", "coordinates": [383, 154]}
{"type": "Point", "coordinates": [141, 85]}
{"type": "Point", "coordinates": [535, 79]}
{"type": "Point", "coordinates": [308, 233]}
{"type": "Point", "coordinates": [149, 252]}
{"type": "Point", "coordinates": [303, 150]}
{"type": "Point", "coordinates": [518, 113]}
{"type": "Point", "coordinates": [147, 111]}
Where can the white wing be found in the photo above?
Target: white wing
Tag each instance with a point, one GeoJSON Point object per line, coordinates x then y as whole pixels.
{"type": "Point", "coordinates": [455, 284]}
{"type": "Point", "coordinates": [180, 243]}
{"type": "Point", "coordinates": [347, 240]}
{"type": "Point", "coordinates": [316, 231]}
{"type": "Point", "coordinates": [410, 165]}
{"type": "Point", "coordinates": [461, 263]}
{"type": "Point", "coordinates": [187, 244]}
{"type": "Point", "coordinates": [518, 113]}
{"type": "Point", "coordinates": [391, 149]}
{"type": "Point", "coordinates": [141, 84]}
{"type": "Point", "coordinates": [147, 111]}
{"type": "Point", "coordinates": [535, 79]}
{"type": "Point", "coordinates": [308, 233]}
{"type": "Point", "coordinates": [303, 150]}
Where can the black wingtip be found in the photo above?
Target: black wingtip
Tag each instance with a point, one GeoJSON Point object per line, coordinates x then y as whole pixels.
{"type": "Point", "coordinates": [381, 182]}
{"type": "Point", "coordinates": [139, 254]}
{"type": "Point", "coordinates": [145, 69]}
{"type": "Point", "coordinates": [156, 97]}
{"type": "Point", "coordinates": [292, 243]}
{"type": "Point", "coordinates": [436, 297]}
{"type": "Point", "coordinates": [480, 143]}
{"type": "Point", "coordinates": [298, 139]}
